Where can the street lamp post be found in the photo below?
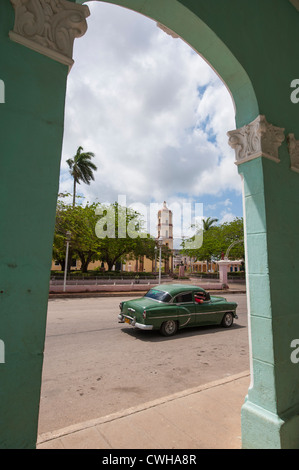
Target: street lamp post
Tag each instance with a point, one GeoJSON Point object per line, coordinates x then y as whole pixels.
{"type": "Point", "coordinates": [68, 239]}
{"type": "Point", "coordinates": [156, 259]}
{"type": "Point", "coordinates": [160, 243]}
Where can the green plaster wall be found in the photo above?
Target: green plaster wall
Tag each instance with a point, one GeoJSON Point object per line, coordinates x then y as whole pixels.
{"type": "Point", "coordinates": [270, 415]}
{"type": "Point", "coordinates": [31, 123]}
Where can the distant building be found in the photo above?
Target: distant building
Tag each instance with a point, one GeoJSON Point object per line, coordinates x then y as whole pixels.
{"type": "Point", "coordinates": [165, 226]}
{"type": "Point", "coordinates": [165, 230]}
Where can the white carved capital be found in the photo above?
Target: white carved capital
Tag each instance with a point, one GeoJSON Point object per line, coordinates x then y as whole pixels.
{"type": "Point", "coordinates": [293, 146]}
{"type": "Point", "coordinates": [257, 139]}
{"type": "Point", "coordinates": [49, 26]}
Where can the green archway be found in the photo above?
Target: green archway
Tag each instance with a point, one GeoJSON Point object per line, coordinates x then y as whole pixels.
{"type": "Point", "coordinates": [253, 47]}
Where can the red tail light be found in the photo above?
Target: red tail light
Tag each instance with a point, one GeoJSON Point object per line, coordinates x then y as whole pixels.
{"type": "Point", "coordinates": [144, 314]}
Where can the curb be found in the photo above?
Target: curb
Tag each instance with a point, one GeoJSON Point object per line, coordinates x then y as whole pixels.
{"type": "Point", "coordinates": [80, 295]}
{"type": "Point", "coordinates": [50, 436]}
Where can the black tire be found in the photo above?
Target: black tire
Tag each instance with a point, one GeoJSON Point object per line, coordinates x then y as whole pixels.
{"type": "Point", "coordinates": [227, 320]}
{"type": "Point", "coordinates": [169, 328]}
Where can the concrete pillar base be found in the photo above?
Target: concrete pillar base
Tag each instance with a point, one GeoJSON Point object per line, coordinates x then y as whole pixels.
{"type": "Point", "coordinates": [262, 429]}
{"type": "Point", "coordinates": [223, 269]}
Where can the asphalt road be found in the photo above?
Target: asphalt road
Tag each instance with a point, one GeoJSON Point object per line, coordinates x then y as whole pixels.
{"type": "Point", "coordinates": [94, 366]}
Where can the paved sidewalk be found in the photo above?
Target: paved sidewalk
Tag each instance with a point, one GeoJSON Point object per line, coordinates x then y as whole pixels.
{"type": "Point", "coordinates": [206, 417]}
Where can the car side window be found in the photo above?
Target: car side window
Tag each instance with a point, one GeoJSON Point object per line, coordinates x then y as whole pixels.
{"type": "Point", "coordinates": [200, 297]}
{"type": "Point", "coordinates": [182, 298]}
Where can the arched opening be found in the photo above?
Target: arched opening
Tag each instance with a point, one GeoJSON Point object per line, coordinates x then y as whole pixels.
{"type": "Point", "coordinates": [252, 48]}
{"type": "Point", "coordinates": [118, 106]}
{"type": "Point", "coordinates": [147, 89]}
{"type": "Point", "coordinates": [195, 150]}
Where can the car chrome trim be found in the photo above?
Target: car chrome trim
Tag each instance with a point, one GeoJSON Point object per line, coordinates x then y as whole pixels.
{"type": "Point", "coordinates": [190, 314]}
{"type": "Point", "coordinates": [171, 316]}
{"type": "Point", "coordinates": [185, 323]}
{"type": "Point", "coordinates": [122, 316]}
{"type": "Point", "coordinates": [141, 326]}
{"type": "Point", "coordinates": [133, 322]}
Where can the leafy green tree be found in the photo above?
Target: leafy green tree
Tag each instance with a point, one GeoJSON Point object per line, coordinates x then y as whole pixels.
{"type": "Point", "coordinates": [148, 246]}
{"type": "Point", "coordinates": [80, 221]}
{"type": "Point", "coordinates": [208, 223]}
{"type": "Point", "coordinates": [233, 232]}
{"type": "Point", "coordinates": [144, 246]}
{"type": "Point", "coordinates": [100, 232]}
{"type": "Point", "coordinates": [59, 250]}
{"type": "Point", "coordinates": [216, 241]}
{"type": "Point", "coordinates": [81, 169]}
{"type": "Point", "coordinates": [120, 232]}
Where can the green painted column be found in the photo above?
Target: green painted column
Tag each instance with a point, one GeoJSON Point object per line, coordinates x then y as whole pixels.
{"type": "Point", "coordinates": [270, 414]}
{"type": "Point", "coordinates": [31, 123]}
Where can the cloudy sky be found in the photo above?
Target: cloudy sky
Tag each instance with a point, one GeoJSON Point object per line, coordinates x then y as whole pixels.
{"type": "Point", "coordinates": [155, 115]}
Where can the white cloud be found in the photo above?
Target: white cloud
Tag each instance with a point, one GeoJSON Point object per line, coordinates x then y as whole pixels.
{"type": "Point", "coordinates": [226, 216]}
{"type": "Point", "coordinates": [226, 203]}
{"type": "Point", "coordinates": [133, 99]}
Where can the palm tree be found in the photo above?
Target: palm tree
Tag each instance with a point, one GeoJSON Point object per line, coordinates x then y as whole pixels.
{"type": "Point", "coordinates": [207, 223]}
{"type": "Point", "coordinates": [81, 169]}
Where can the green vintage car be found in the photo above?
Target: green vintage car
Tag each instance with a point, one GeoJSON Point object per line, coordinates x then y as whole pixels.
{"type": "Point", "coordinates": [174, 306]}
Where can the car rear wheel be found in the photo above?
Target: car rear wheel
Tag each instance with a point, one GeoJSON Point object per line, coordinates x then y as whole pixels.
{"type": "Point", "coordinates": [227, 320]}
{"type": "Point", "coordinates": [169, 328]}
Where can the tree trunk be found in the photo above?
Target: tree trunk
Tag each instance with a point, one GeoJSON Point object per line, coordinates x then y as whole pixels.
{"type": "Point", "coordinates": [84, 266]}
{"type": "Point", "coordinates": [74, 193]}
{"type": "Point", "coordinates": [62, 264]}
{"type": "Point", "coordinates": [110, 265]}
{"type": "Point", "coordinates": [85, 260]}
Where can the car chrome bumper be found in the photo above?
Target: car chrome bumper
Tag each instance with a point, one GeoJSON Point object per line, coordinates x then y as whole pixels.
{"type": "Point", "coordinates": [141, 326]}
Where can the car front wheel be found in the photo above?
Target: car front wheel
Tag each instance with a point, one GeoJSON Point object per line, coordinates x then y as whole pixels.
{"type": "Point", "coordinates": [169, 328]}
{"type": "Point", "coordinates": [227, 320]}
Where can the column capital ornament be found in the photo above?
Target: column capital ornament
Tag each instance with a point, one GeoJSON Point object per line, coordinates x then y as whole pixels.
{"type": "Point", "coordinates": [49, 26]}
{"type": "Point", "coordinates": [293, 146]}
{"type": "Point", "coordinates": [257, 139]}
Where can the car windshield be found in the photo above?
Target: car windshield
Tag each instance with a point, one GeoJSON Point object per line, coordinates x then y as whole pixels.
{"type": "Point", "coordinates": [158, 295]}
